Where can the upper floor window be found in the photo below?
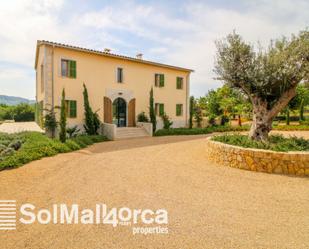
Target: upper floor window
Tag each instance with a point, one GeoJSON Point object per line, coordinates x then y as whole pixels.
{"type": "Point", "coordinates": [179, 83]}
{"type": "Point", "coordinates": [159, 80]}
{"type": "Point", "coordinates": [71, 108]}
{"type": "Point", "coordinates": [119, 75]}
{"type": "Point", "coordinates": [68, 68]}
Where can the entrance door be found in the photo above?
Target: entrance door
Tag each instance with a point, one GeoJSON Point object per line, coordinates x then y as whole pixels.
{"type": "Point", "coordinates": [120, 112]}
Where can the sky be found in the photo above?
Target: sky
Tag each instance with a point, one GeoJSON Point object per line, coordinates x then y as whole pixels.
{"type": "Point", "coordinates": [181, 33]}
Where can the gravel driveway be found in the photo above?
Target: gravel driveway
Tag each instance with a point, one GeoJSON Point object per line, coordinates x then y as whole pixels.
{"type": "Point", "coordinates": [209, 206]}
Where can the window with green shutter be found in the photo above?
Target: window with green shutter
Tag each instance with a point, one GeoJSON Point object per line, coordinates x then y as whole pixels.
{"type": "Point", "coordinates": [72, 67]}
{"type": "Point", "coordinates": [161, 109]}
{"type": "Point", "coordinates": [178, 109]}
{"type": "Point", "coordinates": [68, 68]}
{"type": "Point", "coordinates": [71, 108]}
{"type": "Point", "coordinates": [159, 80]}
{"type": "Point", "coordinates": [179, 82]}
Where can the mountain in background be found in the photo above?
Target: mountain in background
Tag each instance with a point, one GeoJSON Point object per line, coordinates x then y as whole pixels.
{"type": "Point", "coordinates": [11, 100]}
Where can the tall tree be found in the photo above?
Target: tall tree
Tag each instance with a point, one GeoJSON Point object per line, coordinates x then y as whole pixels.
{"type": "Point", "coordinates": [152, 113]}
{"type": "Point", "coordinates": [213, 103]}
{"type": "Point", "coordinates": [63, 119]}
{"type": "Point", "coordinates": [269, 78]}
{"type": "Point", "coordinates": [89, 116]}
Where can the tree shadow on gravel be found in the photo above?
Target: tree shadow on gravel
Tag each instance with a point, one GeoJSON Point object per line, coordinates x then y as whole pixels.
{"type": "Point", "coordinates": [133, 143]}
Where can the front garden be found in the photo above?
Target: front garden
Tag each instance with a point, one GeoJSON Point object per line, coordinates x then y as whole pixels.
{"type": "Point", "coordinates": [21, 148]}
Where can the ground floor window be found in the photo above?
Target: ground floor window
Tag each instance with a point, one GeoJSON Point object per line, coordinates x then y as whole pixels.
{"type": "Point", "coordinates": [71, 108]}
{"type": "Point", "coordinates": [179, 109]}
{"type": "Point", "coordinates": [159, 109]}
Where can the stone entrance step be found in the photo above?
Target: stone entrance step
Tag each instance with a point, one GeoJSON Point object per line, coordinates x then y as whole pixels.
{"type": "Point", "coordinates": [130, 132]}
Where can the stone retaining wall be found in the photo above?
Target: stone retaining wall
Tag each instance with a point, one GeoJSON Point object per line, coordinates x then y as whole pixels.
{"type": "Point", "coordinates": [290, 163]}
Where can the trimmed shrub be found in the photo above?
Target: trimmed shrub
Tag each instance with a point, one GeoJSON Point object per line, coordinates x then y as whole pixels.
{"type": "Point", "coordinates": [167, 123]}
{"type": "Point", "coordinates": [142, 117]}
{"type": "Point", "coordinates": [275, 142]}
{"type": "Point", "coordinates": [198, 131]}
{"type": "Point", "coordinates": [72, 131]}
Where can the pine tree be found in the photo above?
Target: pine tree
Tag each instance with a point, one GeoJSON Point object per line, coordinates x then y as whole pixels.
{"type": "Point", "coordinates": [152, 113]}
{"type": "Point", "coordinates": [63, 119]}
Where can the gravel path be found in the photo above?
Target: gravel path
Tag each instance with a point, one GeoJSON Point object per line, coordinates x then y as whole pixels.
{"type": "Point", "coordinates": [209, 206]}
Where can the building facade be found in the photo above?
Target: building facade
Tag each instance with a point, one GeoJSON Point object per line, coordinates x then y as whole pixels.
{"type": "Point", "coordinates": [118, 86]}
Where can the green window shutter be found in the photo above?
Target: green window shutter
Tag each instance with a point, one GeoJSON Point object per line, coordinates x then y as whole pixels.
{"type": "Point", "coordinates": [178, 109]}
{"type": "Point", "coordinates": [72, 67]}
{"type": "Point", "coordinates": [161, 109]}
{"type": "Point", "coordinates": [179, 83]}
{"type": "Point", "coordinates": [161, 80]}
{"type": "Point", "coordinates": [73, 109]}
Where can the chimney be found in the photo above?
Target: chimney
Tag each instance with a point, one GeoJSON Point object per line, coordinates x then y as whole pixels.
{"type": "Point", "coordinates": [139, 56]}
{"type": "Point", "coordinates": [107, 50]}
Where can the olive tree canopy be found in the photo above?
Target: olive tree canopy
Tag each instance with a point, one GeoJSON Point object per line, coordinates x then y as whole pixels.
{"type": "Point", "coordinates": [268, 77]}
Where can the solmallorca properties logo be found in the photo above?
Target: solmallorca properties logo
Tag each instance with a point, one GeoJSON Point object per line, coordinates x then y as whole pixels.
{"type": "Point", "coordinates": [7, 214]}
{"type": "Point", "coordinates": [142, 221]}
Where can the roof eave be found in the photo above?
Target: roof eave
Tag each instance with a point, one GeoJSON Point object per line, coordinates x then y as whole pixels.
{"type": "Point", "coordinates": [42, 42]}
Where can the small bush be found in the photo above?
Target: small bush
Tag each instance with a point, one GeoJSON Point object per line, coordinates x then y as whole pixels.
{"type": "Point", "coordinates": [212, 120]}
{"type": "Point", "coordinates": [72, 131]}
{"type": "Point", "coordinates": [167, 123]}
{"type": "Point", "coordinates": [142, 117]}
{"type": "Point", "coordinates": [275, 142]}
{"type": "Point", "coordinates": [98, 138]}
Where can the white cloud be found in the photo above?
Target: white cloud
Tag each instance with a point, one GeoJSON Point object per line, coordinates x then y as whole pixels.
{"type": "Point", "coordinates": [185, 39]}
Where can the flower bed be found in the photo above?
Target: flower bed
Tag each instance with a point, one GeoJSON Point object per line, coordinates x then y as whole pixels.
{"type": "Point", "coordinates": [290, 163]}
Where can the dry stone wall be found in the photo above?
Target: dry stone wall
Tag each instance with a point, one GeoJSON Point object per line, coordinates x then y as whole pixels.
{"type": "Point", "coordinates": [289, 163]}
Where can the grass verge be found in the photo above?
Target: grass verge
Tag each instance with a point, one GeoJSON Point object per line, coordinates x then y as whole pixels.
{"type": "Point", "coordinates": [275, 142]}
{"type": "Point", "coordinates": [19, 149]}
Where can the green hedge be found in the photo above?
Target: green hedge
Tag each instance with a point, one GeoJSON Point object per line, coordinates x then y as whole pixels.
{"type": "Point", "coordinates": [224, 128]}
{"type": "Point", "coordinates": [275, 142]}
{"type": "Point", "coordinates": [197, 131]}
{"type": "Point", "coordinates": [35, 145]}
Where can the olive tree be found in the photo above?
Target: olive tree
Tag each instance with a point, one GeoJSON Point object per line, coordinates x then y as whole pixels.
{"type": "Point", "coordinates": [268, 77]}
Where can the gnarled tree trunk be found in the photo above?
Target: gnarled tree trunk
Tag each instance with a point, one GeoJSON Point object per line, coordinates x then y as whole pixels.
{"type": "Point", "coordinates": [263, 117]}
{"type": "Point", "coordinates": [261, 124]}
